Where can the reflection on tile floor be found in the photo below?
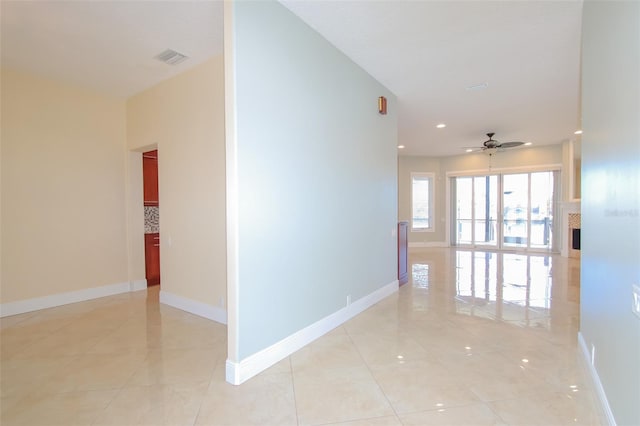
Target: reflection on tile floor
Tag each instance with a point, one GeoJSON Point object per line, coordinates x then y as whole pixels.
{"type": "Point", "coordinates": [475, 338]}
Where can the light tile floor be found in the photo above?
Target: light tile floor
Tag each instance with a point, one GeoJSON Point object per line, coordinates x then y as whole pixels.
{"type": "Point", "coordinates": [474, 338]}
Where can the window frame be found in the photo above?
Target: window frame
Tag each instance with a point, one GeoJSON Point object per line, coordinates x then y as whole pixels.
{"type": "Point", "coordinates": [430, 177]}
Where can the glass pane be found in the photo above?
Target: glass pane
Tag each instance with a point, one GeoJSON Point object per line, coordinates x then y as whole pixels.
{"type": "Point", "coordinates": [420, 199]}
{"type": "Point", "coordinates": [480, 204]}
{"type": "Point", "coordinates": [464, 193]}
{"type": "Point", "coordinates": [515, 210]}
{"type": "Point", "coordinates": [486, 208]}
{"type": "Point", "coordinates": [541, 209]}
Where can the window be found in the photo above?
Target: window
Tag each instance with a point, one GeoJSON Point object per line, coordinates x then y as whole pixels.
{"type": "Point", "coordinates": [422, 201]}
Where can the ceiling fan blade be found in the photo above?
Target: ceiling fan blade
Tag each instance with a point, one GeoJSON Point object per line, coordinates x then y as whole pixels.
{"type": "Point", "coordinates": [510, 144]}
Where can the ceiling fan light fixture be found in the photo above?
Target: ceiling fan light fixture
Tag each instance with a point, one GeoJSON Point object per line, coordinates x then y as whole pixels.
{"type": "Point", "coordinates": [469, 150]}
{"type": "Point", "coordinates": [577, 132]}
{"type": "Point", "coordinates": [528, 143]}
{"type": "Point", "coordinates": [441, 126]}
{"type": "Point", "coordinates": [491, 145]}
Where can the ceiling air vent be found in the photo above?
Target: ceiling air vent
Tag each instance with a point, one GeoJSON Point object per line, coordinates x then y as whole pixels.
{"type": "Point", "coordinates": [171, 57]}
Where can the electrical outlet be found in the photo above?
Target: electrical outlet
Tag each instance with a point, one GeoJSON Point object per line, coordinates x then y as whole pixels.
{"type": "Point", "coordinates": [635, 293]}
{"type": "Point", "coordinates": [348, 299]}
{"type": "Point", "coordinates": [593, 354]}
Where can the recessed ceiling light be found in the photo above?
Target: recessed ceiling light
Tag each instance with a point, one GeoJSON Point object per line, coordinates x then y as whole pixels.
{"type": "Point", "coordinates": [528, 143]}
{"type": "Point", "coordinates": [469, 150]}
{"type": "Point", "coordinates": [577, 132]}
{"type": "Point", "coordinates": [400, 146]}
{"type": "Point", "coordinates": [441, 126]}
{"type": "Point", "coordinates": [478, 86]}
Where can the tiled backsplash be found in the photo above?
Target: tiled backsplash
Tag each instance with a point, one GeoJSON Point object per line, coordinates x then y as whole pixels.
{"type": "Point", "coordinates": [574, 220]}
{"type": "Point", "coordinates": [151, 219]}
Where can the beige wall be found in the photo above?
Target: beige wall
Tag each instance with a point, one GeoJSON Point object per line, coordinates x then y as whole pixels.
{"type": "Point", "coordinates": [184, 118]}
{"type": "Point", "coordinates": [407, 166]}
{"type": "Point", "coordinates": [520, 157]}
{"type": "Point", "coordinates": [63, 188]}
{"type": "Point", "coordinates": [572, 163]}
{"type": "Point", "coordinates": [440, 166]}
{"type": "Point", "coordinates": [135, 217]}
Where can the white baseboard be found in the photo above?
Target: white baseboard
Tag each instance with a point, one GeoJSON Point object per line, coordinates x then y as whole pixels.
{"type": "Point", "coordinates": [595, 379]}
{"type": "Point", "coordinates": [35, 304]}
{"type": "Point", "coordinates": [138, 285]}
{"type": "Point", "coordinates": [238, 372]}
{"type": "Point", "coordinates": [428, 244]}
{"type": "Point", "coordinates": [194, 307]}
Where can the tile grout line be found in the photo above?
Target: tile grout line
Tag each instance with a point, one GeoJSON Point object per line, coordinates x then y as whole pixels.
{"type": "Point", "coordinates": [195, 419]}
{"type": "Point", "coordinates": [293, 385]}
{"type": "Point", "coordinates": [124, 383]}
{"type": "Point", "coordinates": [386, 397]}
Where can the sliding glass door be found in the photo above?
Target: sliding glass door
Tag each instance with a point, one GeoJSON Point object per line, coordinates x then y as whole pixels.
{"type": "Point", "coordinates": [515, 210]}
{"type": "Point", "coordinates": [485, 208]}
{"type": "Point", "coordinates": [476, 210]}
{"type": "Point", "coordinates": [543, 190]}
{"type": "Point", "coordinates": [511, 211]}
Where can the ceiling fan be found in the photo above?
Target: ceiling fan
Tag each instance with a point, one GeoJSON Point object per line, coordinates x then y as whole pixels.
{"type": "Point", "coordinates": [491, 145]}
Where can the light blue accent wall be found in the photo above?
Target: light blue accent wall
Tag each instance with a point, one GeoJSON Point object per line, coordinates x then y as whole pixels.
{"type": "Point", "coordinates": [317, 167]}
{"type": "Point", "coordinates": [610, 239]}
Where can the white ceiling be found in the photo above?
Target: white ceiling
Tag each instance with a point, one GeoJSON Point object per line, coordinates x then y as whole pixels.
{"type": "Point", "coordinates": [429, 52]}
{"type": "Point", "coordinates": [426, 52]}
{"type": "Point", "coordinates": [108, 46]}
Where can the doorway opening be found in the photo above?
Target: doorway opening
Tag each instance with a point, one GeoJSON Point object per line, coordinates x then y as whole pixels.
{"type": "Point", "coordinates": [151, 217]}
